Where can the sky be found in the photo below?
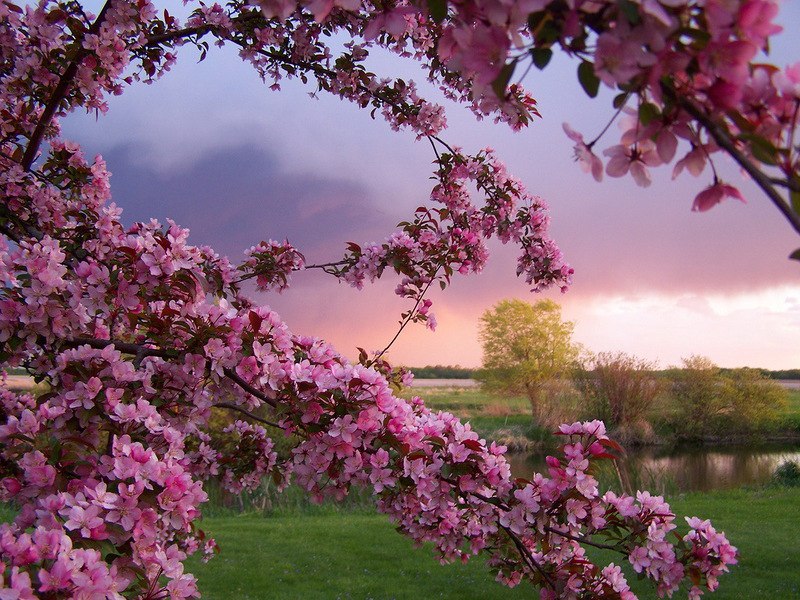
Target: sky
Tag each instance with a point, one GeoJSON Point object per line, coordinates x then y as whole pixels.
{"type": "Point", "coordinates": [211, 147]}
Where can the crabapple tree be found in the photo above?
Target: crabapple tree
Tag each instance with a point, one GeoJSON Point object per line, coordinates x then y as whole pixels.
{"type": "Point", "coordinates": [138, 334]}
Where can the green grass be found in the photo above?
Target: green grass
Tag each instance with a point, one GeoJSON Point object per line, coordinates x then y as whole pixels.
{"type": "Point", "coordinates": [360, 556]}
{"type": "Point", "coordinates": [335, 556]}
{"type": "Point", "coordinates": [764, 525]}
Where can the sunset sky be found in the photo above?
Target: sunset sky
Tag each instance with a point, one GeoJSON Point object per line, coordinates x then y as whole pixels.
{"type": "Point", "coordinates": [211, 147]}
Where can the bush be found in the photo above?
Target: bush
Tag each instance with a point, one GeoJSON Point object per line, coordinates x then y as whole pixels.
{"type": "Point", "coordinates": [620, 389]}
{"type": "Point", "coordinates": [711, 401]}
{"type": "Point", "coordinates": [787, 474]}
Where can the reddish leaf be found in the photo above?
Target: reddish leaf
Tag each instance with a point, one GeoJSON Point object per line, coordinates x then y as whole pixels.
{"type": "Point", "coordinates": [255, 320]}
{"type": "Point", "coordinates": [473, 445]}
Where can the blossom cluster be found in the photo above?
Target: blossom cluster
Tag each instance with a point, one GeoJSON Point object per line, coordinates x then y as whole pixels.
{"type": "Point", "coordinates": [143, 339]}
{"type": "Point", "coordinates": [685, 72]}
{"type": "Point", "coordinates": [451, 239]}
{"type": "Point", "coordinates": [137, 353]}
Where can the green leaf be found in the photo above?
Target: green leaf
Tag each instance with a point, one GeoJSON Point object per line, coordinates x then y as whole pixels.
{"type": "Point", "coordinates": [589, 81]}
{"type": "Point", "coordinates": [762, 149]}
{"type": "Point", "coordinates": [437, 9]}
{"type": "Point", "coordinates": [500, 83]}
{"type": "Point", "coordinates": [537, 19]}
{"type": "Point", "coordinates": [619, 99]}
{"type": "Point", "coordinates": [795, 255]}
{"type": "Point", "coordinates": [631, 11]}
{"type": "Point", "coordinates": [699, 35]}
{"type": "Point", "coordinates": [648, 112]}
{"type": "Point", "coordinates": [541, 57]}
{"type": "Point", "coordinates": [795, 196]}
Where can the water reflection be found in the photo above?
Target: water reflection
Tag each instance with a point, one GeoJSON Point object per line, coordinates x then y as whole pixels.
{"type": "Point", "coordinates": [681, 469]}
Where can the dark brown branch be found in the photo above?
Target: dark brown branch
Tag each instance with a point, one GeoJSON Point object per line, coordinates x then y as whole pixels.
{"type": "Point", "coordinates": [724, 141]}
{"type": "Point", "coordinates": [141, 352]}
{"type": "Point", "coordinates": [248, 414]}
{"type": "Point", "coordinates": [177, 34]}
{"type": "Point", "coordinates": [200, 30]}
{"type": "Point", "coordinates": [233, 376]}
{"type": "Point", "coordinates": [60, 92]}
{"type": "Point", "coordinates": [531, 562]}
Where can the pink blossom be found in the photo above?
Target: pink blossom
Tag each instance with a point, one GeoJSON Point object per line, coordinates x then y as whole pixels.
{"type": "Point", "coordinates": [635, 159]}
{"type": "Point", "coordinates": [584, 155]}
{"type": "Point", "coordinates": [714, 194]}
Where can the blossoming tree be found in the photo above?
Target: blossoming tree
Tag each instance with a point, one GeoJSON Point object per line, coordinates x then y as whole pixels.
{"type": "Point", "coordinates": [139, 335]}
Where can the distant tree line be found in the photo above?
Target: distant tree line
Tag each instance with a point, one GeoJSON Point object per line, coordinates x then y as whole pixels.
{"type": "Point", "coordinates": [442, 372]}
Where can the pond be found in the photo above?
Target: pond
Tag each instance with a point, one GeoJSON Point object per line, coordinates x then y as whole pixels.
{"type": "Point", "coordinates": [682, 469]}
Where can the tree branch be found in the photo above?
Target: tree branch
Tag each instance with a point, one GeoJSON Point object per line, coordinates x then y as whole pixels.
{"type": "Point", "coordinates": [233, 376]}
{"type": "Point", "coordinates": [59, 92]}
{"type": "Point", "coordinates": [723, 139]}
{"type": "Point", "coordinates": [531, 562]}
{"type": "Point", "coordinates": [141, 352]}
{"type": "Point", "coordinates": [248, 414]}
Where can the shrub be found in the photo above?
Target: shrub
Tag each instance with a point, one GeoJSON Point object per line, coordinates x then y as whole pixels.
{"type": "Point", "coordinates": [787, 474]}
{"type": "Point", "coordinates": [619, 388]}
{"type": "Point", "coordinates": [711, 401]}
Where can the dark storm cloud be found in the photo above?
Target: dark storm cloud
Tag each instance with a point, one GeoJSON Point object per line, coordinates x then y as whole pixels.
{"type": "Point", "coordinates": [235, 198]}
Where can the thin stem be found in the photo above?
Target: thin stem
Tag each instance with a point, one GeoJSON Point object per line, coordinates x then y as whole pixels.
{"type": "Point", "coordinates": [581, 539]}
{"type": "Point", "coordinates": [787, 183]}
{"type": "Point", "coordinates": [410, 316]}
{"type": "Point", "coordinates": [613, 118]}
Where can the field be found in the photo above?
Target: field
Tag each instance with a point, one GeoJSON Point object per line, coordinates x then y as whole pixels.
{"type": "Point", "coordinates": [358, 555]}
{"type": "Point", "coordinates": [508, 419]}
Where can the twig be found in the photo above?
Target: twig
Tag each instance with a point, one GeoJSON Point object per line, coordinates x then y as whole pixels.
{"type": "Point", "coordinates": [410, 316]}
{"type": "Point", "coordinates": [248, 414]}
{"type": "Point", "coordinates": [582, 540]}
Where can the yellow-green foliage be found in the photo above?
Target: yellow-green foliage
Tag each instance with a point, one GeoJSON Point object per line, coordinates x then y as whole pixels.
{"type": "Point", "coordinates": [711, 402]}
{"type": "Point", "coordinates": [525, 346]}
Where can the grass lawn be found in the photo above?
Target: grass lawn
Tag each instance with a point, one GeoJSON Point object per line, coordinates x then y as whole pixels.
{"type": "Point", "coordinates": [360, 556]}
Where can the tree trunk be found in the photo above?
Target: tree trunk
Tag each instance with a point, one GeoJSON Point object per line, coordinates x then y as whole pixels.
{"type": "Point", "coordinates": [534, 393]}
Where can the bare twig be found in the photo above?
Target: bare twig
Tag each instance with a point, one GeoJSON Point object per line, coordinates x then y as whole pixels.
{"type": "Point", "coordinates": [410, 316]}
{"type": "Point", "coordinates": [582, 539]}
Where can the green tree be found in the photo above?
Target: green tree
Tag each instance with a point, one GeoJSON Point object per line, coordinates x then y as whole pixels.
{"type": "Point", "coordinates": [711, 401]}
{"type": "Point", "coordinates": [525, 347]}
